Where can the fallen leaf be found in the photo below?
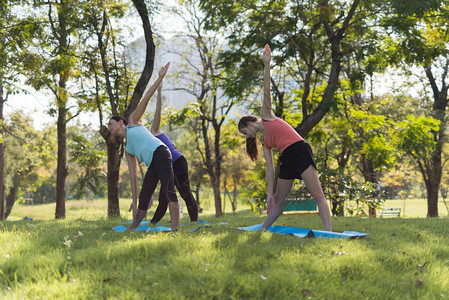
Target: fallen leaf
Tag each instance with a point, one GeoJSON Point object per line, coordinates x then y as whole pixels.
{"type": "Point", "coordinates": [109, 279]}
{"type": "Point", "coordinates": [339, 253]}
{"type": "Point", "coordinates": [419, 282]}
{"type": "Point", "coordinates": [80, 234]}
{"type": "Point", "coordinates": [306, 292]}
{"type": "Point", "coordinates": [418, 235]}
{"type": "Point", "coordinates": [263, 277]}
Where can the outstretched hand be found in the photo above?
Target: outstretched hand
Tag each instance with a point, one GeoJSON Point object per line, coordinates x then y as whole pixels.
{"type": "Point", "coordinates": [266, 54]}
{"type": "Point", "coordinates": [163, 70]}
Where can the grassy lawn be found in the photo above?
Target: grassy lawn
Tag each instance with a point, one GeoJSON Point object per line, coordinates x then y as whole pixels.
{"type": "Point", "coordinates": [82, 258]}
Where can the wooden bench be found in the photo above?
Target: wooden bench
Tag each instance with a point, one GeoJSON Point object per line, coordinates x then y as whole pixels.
{"type": "Point", "coordinates": [390, 212]}
{"type": "Point", "coordinates": [296, 205]}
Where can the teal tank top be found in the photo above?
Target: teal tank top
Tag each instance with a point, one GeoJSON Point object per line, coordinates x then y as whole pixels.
{"type": "Point", "coordinates": [141, 143]}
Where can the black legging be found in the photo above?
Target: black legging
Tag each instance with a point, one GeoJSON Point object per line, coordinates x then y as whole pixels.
{"type": "Point", "coordinates": [181, 171]}
{"type": "Point", "coordinates": [160, 169]}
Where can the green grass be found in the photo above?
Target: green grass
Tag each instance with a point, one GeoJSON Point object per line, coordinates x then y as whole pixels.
{"type": "Point", "coordinates": [82, 258]}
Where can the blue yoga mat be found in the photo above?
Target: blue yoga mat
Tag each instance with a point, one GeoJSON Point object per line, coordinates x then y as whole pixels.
{"type": "Point", "coordinates": [158, 228]}
{"type": "Point", "coordinates": [122, 228]}
{"type": "Point", "coordinates": [302, 232]}
{"type": "Point", "coordinates": [119, 228]}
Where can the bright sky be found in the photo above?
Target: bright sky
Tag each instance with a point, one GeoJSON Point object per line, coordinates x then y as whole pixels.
{"type": "Point", "coordinates": [36, 104]}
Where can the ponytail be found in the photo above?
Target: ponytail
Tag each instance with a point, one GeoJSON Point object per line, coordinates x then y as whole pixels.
{"type": "Point", "coordinates": [251, 142]}
{"type": "Point", "coordinates": [251, 148]}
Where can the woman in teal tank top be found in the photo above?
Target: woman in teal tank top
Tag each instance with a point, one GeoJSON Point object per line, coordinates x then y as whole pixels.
{"type": "Point", "coordinates": [142, 145]}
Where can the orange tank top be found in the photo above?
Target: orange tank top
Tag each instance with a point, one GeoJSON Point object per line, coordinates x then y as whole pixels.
{"type": "Point", "coordinates": [279, 134]}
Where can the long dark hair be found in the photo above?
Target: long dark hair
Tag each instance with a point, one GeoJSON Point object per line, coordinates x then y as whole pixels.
{"type": "Point", "coordinates": [119, 118]}
{"type": "Point", "coordinates": [251, 142]}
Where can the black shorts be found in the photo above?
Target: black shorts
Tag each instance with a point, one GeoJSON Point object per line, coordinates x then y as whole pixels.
{"type": "Point", "coordinates": [295, 159]}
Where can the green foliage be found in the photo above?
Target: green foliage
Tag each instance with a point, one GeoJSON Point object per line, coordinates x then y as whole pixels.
{"type": "Point", "coordinates": [372, 134]}
{"type": "Point", "coordinates": [89, 157]}
{"type": "Point", "coordinates": [180, 117]}
{"type": "Point", "coordinates": [16, 32]}
{"type": "Point", "coordinates": [343, 189]}
{"type": "Point", "coordinates": [415, 136]}
{"type": "Point", "coordinates": [28, 152]}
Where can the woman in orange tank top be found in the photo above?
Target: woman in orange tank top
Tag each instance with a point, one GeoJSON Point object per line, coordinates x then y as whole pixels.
{"type": "Point", "coordinates": [296, 156]}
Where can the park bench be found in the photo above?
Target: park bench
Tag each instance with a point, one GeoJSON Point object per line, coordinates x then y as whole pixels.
{"type": "Point", "coordinates": [299, 206]}
{"type": "Point", "coordinates": [390, 212]}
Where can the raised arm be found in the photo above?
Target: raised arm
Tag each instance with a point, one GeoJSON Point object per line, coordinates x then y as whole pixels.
{"type": "Point", "coordinates": [134, 118]}
{"type": "Point", "coordinates": [265, 111]}
{"type": "Point", "coordinates": [156, 126]}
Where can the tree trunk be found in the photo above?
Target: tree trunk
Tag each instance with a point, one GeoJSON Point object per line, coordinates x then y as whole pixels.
{"type": "Point", "coordinates": [2, 159]}
{"type": "Point", "coordinates": [113, 178]}
{"type": "Point", "coordinates": [434, 180]}
{"type": "Point", "coordinates": [217, 162]}
{"type": "Point", "coordinates": [62, 34]}
{"type": "Point", "coordinates": [335, 37]}
{"type": "Point", "coordinates": [432, 199]}
{"type": "Point", "coordinates": [149, 57]}
{"type": "Point", "coordinates": [12, 196]}
{"type": "Point", "coordinates": [439, 112]}
{"type": "Point", "coordinates": [217, 196]}
{"type": "Point", "coordinates": [61, 170]}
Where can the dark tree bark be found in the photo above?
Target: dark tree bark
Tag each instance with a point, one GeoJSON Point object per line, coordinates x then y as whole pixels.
{"type": "Point", "coordinates": [335, 38]}
{"type": "Point", "coordinates": [149, 57]}
{"type": "Point", "coordinates": [12, 196]}
{"type": "Point", "coordinates": [61, 100]}
{"type": "Point", "coordinates": [2, 159]}
{"type": "Point", "coordinates": [433, 170]}
{"type": "Point", "coordinates": [61, 170]}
